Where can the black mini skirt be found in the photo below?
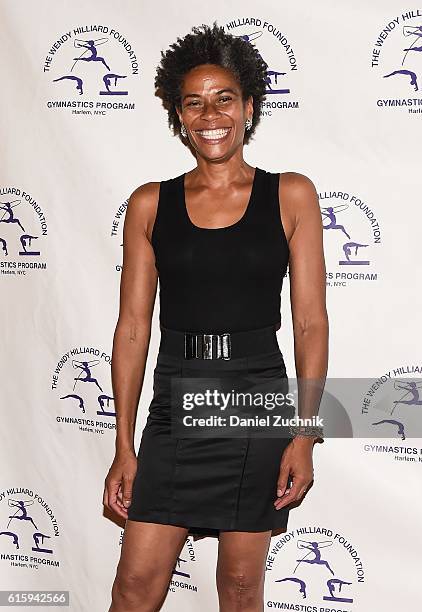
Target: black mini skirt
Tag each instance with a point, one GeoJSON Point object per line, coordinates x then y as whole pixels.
{"type": "Point", "coordinates": [209, 484]}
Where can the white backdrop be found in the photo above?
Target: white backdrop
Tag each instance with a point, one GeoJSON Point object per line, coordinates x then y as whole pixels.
{"type": "Point", "coordinates": [74, 147]}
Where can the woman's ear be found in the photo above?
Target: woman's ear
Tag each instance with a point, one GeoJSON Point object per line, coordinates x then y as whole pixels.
{"type": "Point", "coordinates": [249, 106]}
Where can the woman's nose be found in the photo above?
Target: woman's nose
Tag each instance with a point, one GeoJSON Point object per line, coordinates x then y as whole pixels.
{"type": "Point", "coordinates": [209, 111]}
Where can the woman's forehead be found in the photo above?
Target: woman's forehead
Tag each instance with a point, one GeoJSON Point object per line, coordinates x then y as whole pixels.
{"type": "Point", "coordinates": [211, 76]}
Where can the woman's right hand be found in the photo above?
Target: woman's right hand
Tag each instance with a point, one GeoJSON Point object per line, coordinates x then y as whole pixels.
{"type": "Point", "coordinates": [118, 483]}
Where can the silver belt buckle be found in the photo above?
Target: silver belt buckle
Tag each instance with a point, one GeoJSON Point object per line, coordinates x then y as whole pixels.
{"type": "Point", "coordinates": [207, 346]}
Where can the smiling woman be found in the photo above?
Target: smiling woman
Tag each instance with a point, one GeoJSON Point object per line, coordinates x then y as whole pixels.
{"type": "Point", "coordinates": [219, 238]}
{"type": "Point", "coordinates": [244, 67]}
{"type": "Point", "coordinates": [210, 133]}
{"type": "Point", "coordinates": [212, 119]}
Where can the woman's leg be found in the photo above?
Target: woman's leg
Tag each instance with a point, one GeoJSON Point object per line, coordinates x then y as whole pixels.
{"type": "Point", "coordinates": [148, 556]}
{"type": "Point", "coordinates": [241, 570]}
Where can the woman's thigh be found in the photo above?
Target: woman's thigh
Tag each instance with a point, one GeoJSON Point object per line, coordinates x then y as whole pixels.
{"type": "Point", "coordinates": [150, 550]}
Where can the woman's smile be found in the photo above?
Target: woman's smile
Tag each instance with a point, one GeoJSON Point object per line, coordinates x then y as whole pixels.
{"type": "Point", "coordinates": [215, 136]}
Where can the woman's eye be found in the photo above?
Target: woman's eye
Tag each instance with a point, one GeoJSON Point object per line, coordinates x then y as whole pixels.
{"type": "Point", "coordinates": [221, 99]}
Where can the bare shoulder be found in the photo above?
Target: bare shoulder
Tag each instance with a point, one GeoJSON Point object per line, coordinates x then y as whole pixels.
{"type": "Point", "coordinates": [297, 187]}
{"type": "Point", "coordinates": [297, 198]}
{"type": "Point", "coordinates": [142, 206]}
{"type": "Point", "coordinates": [145, 196]}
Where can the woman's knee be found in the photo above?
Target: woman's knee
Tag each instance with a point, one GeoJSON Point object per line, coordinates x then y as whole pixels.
{"type": "Point", "coordinates": [144, 588]}
{"type": "Point", "coordinates": [240, 587]}
{"type": "Point", "coordinates": [143, 574]}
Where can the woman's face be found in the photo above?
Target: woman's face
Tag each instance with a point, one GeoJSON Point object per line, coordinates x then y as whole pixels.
{"type": "Point", "coordinates": [213, 111]}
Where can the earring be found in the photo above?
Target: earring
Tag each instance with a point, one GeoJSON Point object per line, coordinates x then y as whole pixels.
{"type": "Point", "coordinates": [248, 124]}
{"type": "Point", "coordinates": [183, 130]}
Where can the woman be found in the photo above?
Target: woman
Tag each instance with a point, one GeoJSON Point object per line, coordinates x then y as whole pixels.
{"type": "Point", "coordinates": [219, 237]}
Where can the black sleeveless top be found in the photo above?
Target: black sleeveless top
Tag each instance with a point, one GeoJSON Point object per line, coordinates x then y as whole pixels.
{"type": "Point", "coordinates": [225, 279]}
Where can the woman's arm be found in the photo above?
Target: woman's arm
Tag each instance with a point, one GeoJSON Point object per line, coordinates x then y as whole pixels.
{"type": "Point", "coordinates": [131, 339]}
{"type": "Point", "coordinates": [307, 296]}
{"type": "Point", "coordinates": [302, 217]}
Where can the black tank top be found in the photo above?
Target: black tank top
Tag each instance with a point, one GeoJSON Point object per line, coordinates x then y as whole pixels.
{"type": "Point", "coordinates": [226, 279]}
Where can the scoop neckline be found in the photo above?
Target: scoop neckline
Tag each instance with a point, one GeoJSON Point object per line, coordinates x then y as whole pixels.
{"type": "Point", "coordinates": [226, 227]}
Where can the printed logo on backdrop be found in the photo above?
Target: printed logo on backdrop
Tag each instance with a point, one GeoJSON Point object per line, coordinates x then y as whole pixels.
{"type": "Point", "coordinates": [397, 59]}
{"type": "Point", "coordinates": [392, 407]}
{"type": "Point", "coordinates": [352, 238]}
{"type": "Point", "coordinates": [23, 228]}
{"type": "Point", "coordinates": [81, 381]}
{"type": "Point", "coordinates": [277, 51]}
{"type": "Point", "coordinates": [182, 578]}
{"type": "Point", "coordinates": [316, 567]}
{"type": "Point", "coordinates": [92, 71]}
{"type": "Point", "coordinates": [117, 232]}
{"type": "Point", "coordinates": [28, 530]}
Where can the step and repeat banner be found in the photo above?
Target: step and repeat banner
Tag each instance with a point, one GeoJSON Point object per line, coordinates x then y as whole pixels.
{"type": "Point", "coordinates": [81, 129]}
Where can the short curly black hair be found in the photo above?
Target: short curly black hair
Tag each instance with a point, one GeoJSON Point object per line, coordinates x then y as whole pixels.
{"type": "Point", "coordinates": [211, 45]}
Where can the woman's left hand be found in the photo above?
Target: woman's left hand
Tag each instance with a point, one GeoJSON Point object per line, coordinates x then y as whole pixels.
{"type": "Point", "coordinates": [297, 462]}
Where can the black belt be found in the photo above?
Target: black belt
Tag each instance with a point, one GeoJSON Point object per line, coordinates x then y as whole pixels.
{"type": "Point", "coordinates": [227, 345]}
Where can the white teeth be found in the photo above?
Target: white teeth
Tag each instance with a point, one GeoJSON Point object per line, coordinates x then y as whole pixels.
{"type": "Point", "coordinates": [213, 134]}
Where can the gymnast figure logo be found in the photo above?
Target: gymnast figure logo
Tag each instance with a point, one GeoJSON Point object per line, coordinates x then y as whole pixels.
{"type": "Point", "coordinates": [21, 514]}
{"type": "Point", "coordinates": [272, 75]}
{"type": "Point", "coordinates": [333, 584]}
{"type": "Point", "coordinates": [409, 396]}
{"type": "Point", "coordinates": [350, 248]}
{"type": "Point", "coordinates": [8, 217]}
{"type": "Point", "coordinates": [91, 56]}
{"type": "Point", "coordinates": [409, 51]}
{"type": "Point", "coordinates": [398, 425]}
{"type": "Point", "coordinates": [86, 376]}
